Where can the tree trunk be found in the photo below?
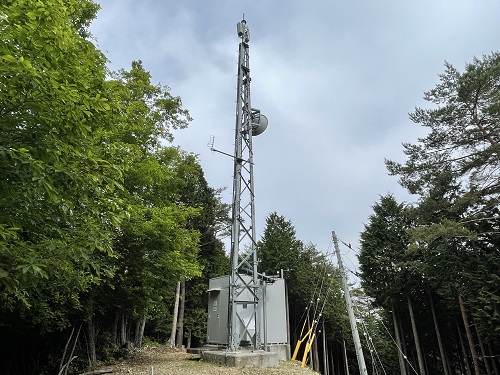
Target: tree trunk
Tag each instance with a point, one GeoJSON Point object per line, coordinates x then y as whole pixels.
{"type": "Point", "coordinates": [405, 348]}
{"type": "Point", "coordinates": [310, 351]}
{"type": "Point", "coordinates": [315, 365]}
{"type": "Point", "coordinates": [462, 346]}
{"type": "Point", "coordinates": [123, 330]}
{"type": "Point", "coordinates": [486, 360]}
{"type": "Point", "coordinates": [421, 364]}
{"type": "Point", "coordinates": [91, 337]}
{"type": "Point", "coordinates": [325, 353]}
{"type": "Point", "coordinates": [438, 335]}
{"type": "Point", "coordinates": [136, 333]}
{"type": "Point", "coordinates": [71, 356]}
{"type": "Point", "coordinates": [139, 331]}
{"type": "Point", "coordinates": [61, 364]}
{"type": "Point", "coordinates": [64, 365]}
{"type": "Point", "coordinates": [345, 358]}
{"type": "Point", "coordinates": [470, 340]}
{"type": "Point", "coordinates": [402, 364]}
{"type": "Point", "coordinates": [180, 320]}
{"type": "Point", "coordinates": [493, 359]}
{"type": "Point", "coordinates": [114, 330]}
{"type": "Point", "coordinates": [188, 344]}
{"type": "Point", "coordinates": [331, 362]}
{"type": "Point", "coordinates": [174, 319]}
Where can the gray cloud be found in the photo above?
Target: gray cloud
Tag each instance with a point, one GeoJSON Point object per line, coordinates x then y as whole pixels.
{"type": "Point", "coordinates": [335, 79]}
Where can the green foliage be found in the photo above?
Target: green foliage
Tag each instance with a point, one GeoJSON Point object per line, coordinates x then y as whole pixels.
{"type": "Point", "coordinates": [315, 290]}
{"type": "Point", "coordinates": [144, 113]}
{"type": "Point", "coordinates": [212, 258]}
{"type": "Point", "coordinates": [384, 242]}
{"type": "Point", "coordinates": [463, 138]}
{"type": "Point", "coordinates": [56, 186]}
{"type": "Point", "coordinates": [454, 170]}
{"type": "Point", "coordinates": [97, 217]}
{"type": "Point", "coordinates": [279, 248]}
{"type": "Point", "coordinates": [313, 283]}
{"type": "Point", "coordinates": [444, 229]}
{"type": "Point", "coordinates": [156, 244]}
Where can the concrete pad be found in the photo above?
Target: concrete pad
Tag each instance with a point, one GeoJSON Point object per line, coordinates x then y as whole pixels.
{"type": "Point", "coordinates": [283, 351]}
{"type": "Point", "coordinates": [202, 349]}
{"type": "Point", "coordinates": [241, 358]}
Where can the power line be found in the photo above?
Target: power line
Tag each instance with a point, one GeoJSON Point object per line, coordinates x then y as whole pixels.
{"type": "Point", "coordinates": [376, 361]}
{"type": "Point", "coordinates": [399, 349]}
{"type": "Point", "coordinates": [369, 339]}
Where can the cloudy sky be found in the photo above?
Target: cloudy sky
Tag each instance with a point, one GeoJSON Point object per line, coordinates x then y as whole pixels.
{"type": "Point", "coordinates": [336, 79]}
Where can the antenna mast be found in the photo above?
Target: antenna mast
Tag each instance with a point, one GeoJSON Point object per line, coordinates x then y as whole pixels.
{"type": "Point", "coordinates": [244, 293]}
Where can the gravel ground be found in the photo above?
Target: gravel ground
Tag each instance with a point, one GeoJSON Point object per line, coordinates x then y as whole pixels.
{"type": "Point", "coordinates": [166, 361]}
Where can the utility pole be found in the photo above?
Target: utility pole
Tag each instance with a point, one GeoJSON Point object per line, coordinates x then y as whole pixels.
{"type": "Point", "coordinates": [244, 293]}
{"type": "Point", "coordinates": [352, 318]}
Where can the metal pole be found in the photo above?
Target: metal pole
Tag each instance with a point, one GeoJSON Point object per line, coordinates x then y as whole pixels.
{"type": "Point", "coordinates": [264, 314]}
{"type": "Point", "coordinates": [352, 318]}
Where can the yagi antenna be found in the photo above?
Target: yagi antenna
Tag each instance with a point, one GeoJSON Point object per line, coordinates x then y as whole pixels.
{"type": "Point", "coordinates": [211, 143]}
{"type": "Point", "coordinates": [211, 147]}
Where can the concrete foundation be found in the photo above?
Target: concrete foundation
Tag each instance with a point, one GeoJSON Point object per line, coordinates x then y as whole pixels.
{"type": "Point", "coordinates": [283, 351]}
{"type": "Point", "coordinates": [242, 358]}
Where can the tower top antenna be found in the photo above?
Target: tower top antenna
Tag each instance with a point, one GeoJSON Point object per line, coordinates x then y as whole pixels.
{"type": "Point", "coordinates": [242, 30]}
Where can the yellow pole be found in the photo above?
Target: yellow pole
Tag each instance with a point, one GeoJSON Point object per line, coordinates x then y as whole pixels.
{"type": "Point", "coordinates": [296, 351]}
{"type": "Point", "coordinates": [306, 351]}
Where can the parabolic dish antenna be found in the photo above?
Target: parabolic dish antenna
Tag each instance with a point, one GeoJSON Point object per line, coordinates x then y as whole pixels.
{"type": "Point", "coordinates": [259, 123]}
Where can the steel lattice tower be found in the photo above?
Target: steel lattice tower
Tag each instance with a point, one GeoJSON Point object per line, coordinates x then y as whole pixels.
{"type": "Point", "coordinates": [244, 291]}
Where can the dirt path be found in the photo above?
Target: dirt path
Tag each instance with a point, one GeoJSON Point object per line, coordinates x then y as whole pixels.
{"type": "Point", "coordinates": [165, 361]}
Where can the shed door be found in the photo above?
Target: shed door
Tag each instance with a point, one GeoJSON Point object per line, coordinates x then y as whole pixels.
{"type": "Point", "coordinates": [213, 324]}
